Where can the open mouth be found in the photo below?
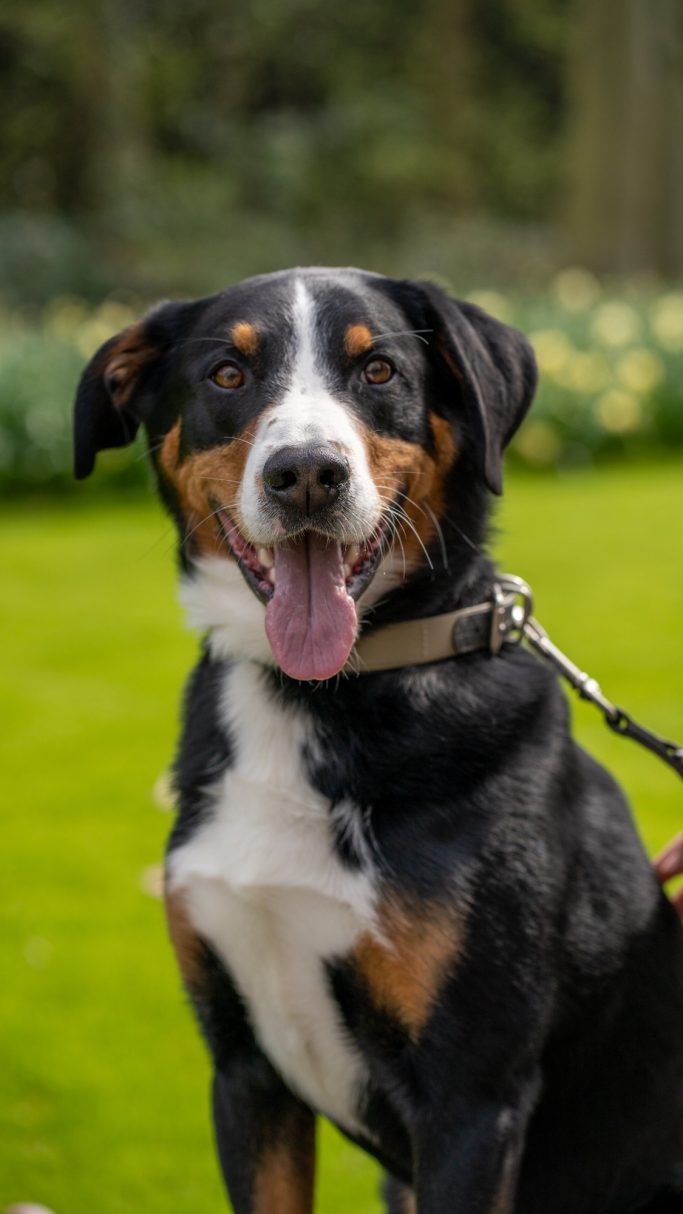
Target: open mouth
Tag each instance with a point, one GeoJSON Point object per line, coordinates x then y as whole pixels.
{"type": "Point", "coordinates": [310, 584]}
{"type": "Point", "coordinates": [259, 565]}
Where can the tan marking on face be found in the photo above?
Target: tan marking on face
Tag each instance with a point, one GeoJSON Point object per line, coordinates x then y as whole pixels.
{"type": "Point", "coordinates": [204, 477]}
{"type": "Point", "coordinates": [406, 966]}
{"type": "Point", "coordinates": [245, 337]}
{"type": "Point", "coordinates": [398, 466]}
{"type": "Point", "coordinates": [286, 1171]}
{"type": "Point", "coordinates": [123, 362]}
{"type": "Point", "coordinates": [186, 943]}
{"type": "Point", "coordinates": [357, 340]}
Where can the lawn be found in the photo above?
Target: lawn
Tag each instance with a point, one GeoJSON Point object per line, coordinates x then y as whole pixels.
{"type": "Point", "coordinates": [102, 1079]}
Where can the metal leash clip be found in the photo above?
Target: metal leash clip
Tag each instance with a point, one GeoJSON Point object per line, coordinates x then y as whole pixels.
{"type": "Point", "coordinates": [512, 603]}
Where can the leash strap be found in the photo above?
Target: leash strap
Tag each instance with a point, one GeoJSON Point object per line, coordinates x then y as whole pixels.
{"type": "Point", "coordinates": [589, 689]}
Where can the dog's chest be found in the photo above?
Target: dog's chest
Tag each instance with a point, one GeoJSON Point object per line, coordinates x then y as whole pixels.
{"type": "Point", "coordinates": [263, 884]}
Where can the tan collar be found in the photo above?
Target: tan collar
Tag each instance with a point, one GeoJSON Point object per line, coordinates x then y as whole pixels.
{"type": "Point", "coordinates": [488, 626]}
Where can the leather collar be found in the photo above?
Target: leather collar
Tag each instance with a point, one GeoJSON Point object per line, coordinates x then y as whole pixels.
{"type": "Point", "coordinates": [483, 626]}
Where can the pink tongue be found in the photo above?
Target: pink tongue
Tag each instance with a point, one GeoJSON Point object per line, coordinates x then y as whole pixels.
{"type": "Point", "coordinates": [311, 620]}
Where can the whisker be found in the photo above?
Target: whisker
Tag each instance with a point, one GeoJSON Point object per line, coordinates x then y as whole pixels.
{"type": "Point", "coordinates": [405, 333]}
{"type": "Point", "coordinates": [168, 531]}
{"type": "Point", "coordinates": [418, 537]}
{"type": "Point", "coordinates": [470, 543]}
{"type": "Point", "coordinates": [229, 480]}
{"type": "Point", "coordinates": [427, 511]}
{"type": "Point", "coordinates": [395, 534]}
{"type": "Point", "coordinates": [221, 341]}
{"type": "Point", "coordinates": [212, 514]}
{"type": "Point", "coordinates": [150, 450]}
{"type": "Point", "coordinates": [403, 553]}
{"type": "Point", "coordinates": [439, 532]}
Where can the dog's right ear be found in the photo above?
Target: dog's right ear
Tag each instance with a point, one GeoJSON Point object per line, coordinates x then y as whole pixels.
{"type": "Point", "coordinates": [117, 384]}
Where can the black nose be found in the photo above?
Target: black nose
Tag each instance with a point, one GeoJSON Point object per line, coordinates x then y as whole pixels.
{"type": "Point", "coordinates": [305, 478]}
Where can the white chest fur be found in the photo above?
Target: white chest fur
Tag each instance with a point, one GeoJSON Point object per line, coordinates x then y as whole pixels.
{"type": "Point", "coordinates": [263, 885]}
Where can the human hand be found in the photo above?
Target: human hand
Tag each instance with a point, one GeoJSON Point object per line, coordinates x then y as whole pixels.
{"type": "Point", "coordinates": [668, 864]}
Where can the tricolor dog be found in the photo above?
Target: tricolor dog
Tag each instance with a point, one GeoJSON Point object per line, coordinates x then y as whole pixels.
{"type": "Point", "coordinates": [400, 895]}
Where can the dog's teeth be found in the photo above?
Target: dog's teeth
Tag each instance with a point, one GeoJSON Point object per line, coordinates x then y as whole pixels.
{"type": "Point", "coordinates": [352, 555]}
{"type": "Point", "coordinates": [270, 576]}
{"type": "Point", "coordinates": [347, 571]}
{"type": "Point", "coordinates": [265, 556]}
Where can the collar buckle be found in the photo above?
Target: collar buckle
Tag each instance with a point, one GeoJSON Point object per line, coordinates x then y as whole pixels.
{"type": "Point", "coordinates": [511, 606]}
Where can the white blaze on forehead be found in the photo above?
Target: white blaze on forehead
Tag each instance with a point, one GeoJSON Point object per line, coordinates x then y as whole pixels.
{"type": "Point", "coordinates": [306, 378]}
{"type": "Point", "coordinates": [308, 412]}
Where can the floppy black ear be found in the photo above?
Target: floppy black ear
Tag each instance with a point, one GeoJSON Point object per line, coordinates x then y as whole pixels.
{"type": "Point", "coordinates": [105, 414]}
{"type": "Point", "coordinates": [496, 372]}
{"type": "Point", "coordinates": [114, 392]}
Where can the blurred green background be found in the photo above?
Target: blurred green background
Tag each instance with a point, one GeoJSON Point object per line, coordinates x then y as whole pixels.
{"type": "Point", "coordinates": [525, 153]}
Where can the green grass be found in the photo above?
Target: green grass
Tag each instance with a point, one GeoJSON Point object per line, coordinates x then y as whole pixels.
{"type": "Point", "coordinates": [103, 1081]}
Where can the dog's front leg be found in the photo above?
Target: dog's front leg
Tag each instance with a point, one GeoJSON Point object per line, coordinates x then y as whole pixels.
{"type": "Point", "coordinates": [264, 1133]}
{"type": "Point", "coordinates": [468, 1157]}
{"type": "Point", "coordinates": [266, 1140]}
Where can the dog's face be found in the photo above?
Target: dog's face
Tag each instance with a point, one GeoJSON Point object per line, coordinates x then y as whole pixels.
{"type": "Point", "coordinates": [305, 428]}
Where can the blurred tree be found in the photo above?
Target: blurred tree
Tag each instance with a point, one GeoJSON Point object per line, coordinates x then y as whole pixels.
{"type": "Point", "coordinates": [173, 143]}
{"type": "Point", "coordinates": [625, 176]}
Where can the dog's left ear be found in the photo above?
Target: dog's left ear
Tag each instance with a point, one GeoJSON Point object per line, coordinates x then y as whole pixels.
{"type": "Point", "coordinates": [495, 370]}
{"type": "Point", "coordinates": [105, 413]}
{"type": "Point", "coordinates": [116, 389]}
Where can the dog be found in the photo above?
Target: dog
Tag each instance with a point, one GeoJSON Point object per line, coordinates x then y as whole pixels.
{"type": "Point", "coordinates": [400, 895]}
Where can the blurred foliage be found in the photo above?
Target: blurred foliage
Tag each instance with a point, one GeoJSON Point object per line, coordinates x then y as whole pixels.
{"type": "Point", "coordinates": [177, 146]}
{"type": "Point", "coordinates": [611, 370]}
{"type": "Point", "coordinates": [611, 379]}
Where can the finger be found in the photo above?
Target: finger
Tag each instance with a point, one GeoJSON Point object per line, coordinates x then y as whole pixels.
{"type": "Point", "coordinates": [669, 862]}
{"type": "Point", "coordinates": [27, 1207]}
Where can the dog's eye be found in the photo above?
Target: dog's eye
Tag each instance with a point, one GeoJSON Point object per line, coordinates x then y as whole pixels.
{"type": "Point", "coordinates": [378, 371]}
{"type": "Point", "coordinates": [228, 375]}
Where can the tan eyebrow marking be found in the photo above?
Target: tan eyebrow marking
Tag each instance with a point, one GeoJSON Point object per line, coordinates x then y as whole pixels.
{"type": "Point", "coordinates": [245, 337]}
{"type": "Point", "coordinates": [357, 340]}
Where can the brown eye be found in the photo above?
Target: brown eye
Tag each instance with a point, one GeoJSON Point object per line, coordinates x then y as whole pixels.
{"type": "Point", "coordinates": [228, 375]}
{"type": "Point", "coordinates": [378, 371]}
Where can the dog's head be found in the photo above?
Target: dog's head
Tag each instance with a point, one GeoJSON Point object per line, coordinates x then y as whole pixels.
{"type": "Point", "coordinates": [307, 429]}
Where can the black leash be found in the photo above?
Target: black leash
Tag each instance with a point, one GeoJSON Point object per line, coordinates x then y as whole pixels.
{"type": "Point", "coordinates": [619, 721]}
